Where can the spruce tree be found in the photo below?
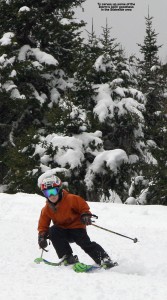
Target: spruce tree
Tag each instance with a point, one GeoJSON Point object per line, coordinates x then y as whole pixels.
{"type": "Point", "coordinates": [83, 78]}
{"type": "Point", "coordinates": [152, 82]}
{"type": "Point", "coordinates": [151, 79]}
{"type": "Point", "coordinates": [150, 48]}
{"type": "Point", "coordinates": [38, 43]}
{"type": "Point", "coordinates": [116, 108]}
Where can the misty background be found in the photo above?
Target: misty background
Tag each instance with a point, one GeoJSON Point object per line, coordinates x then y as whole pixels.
{"type": "Point", "coordinates": [128, 27]}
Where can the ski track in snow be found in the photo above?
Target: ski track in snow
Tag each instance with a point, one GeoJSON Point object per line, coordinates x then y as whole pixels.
{"type": "Point", "coordinates": [141, 274]}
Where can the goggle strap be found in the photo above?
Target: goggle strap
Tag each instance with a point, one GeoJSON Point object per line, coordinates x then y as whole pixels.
{"type": "Point", "coordinates": [45, 186]}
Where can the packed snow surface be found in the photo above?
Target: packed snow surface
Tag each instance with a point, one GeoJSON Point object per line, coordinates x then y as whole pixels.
{"type": "Point", "coordinates": [141, 274]}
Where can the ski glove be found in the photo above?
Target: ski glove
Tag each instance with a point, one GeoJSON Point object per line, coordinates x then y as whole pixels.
{"type": "Point", "coordinates": [86, 219]}
{"type": "Point", "coordinates": [42, 241]}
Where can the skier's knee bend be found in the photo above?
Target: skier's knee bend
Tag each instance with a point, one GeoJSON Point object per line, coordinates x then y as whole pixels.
{"type": "Point", "coordinates": [87, 245]}
{"type": "Point", "coordinates": [53, 231]}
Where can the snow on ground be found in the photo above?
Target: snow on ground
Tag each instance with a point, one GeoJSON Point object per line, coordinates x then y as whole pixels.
{"type": "Point", "coordinates": [141, 274]}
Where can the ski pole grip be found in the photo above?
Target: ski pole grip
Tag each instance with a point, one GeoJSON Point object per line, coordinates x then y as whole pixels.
{"type": "Point", "coordinates": [94, 216]}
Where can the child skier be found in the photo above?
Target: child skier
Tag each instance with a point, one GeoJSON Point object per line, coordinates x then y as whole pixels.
{"type": "Point", "coordinates": [70, 215]}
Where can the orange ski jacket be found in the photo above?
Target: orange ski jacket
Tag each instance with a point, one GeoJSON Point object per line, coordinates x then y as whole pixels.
{"type": "Point", "coordinates": [66, 214]}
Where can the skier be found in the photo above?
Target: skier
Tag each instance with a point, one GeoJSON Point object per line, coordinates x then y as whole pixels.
{"type": "Point", "coordinates": [70, 215]}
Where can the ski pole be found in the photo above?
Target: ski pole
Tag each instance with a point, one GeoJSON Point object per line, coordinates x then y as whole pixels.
{"type": "Point", "coordinates": [135, 240]}
{"type": "Point", "coordinates": [42, 253]}
{"type": "Point", "coordinates": [38, 260]}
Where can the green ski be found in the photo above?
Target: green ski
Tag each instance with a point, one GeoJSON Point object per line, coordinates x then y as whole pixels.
{"type": "Point", "coordinates": [77, 267]}
{"type": "Point", "coordinates": [40, 259]}
{"type": "Point", "coordinates": [83, 268]}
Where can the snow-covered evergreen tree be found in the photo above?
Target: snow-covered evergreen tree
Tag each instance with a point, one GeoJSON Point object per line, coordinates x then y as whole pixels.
{"type": "Point", "coordinates": [116, 109]}
{"type": "Point", "coordinates": [38, 43]}
{"type": "Point", "coordinates": [152, 81]}
{"type": "Point", "coordinates": [150, 61]}
{"type": "Point", "coordinates": [103, 97]}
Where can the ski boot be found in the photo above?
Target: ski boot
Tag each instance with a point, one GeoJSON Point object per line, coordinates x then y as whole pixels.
{"type": "Point", "coordinates": [70, 260]}
{"type": "Point", "coordinates": [108, 263]}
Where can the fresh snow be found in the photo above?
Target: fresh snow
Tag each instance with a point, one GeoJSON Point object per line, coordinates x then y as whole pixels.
{"type": "Point", "coordinates": [42, 57]}
{"type": "Point", "coordinates": [6, 39]}
{"type": "Point", "coordinates": [113, 159]}
{"type": "Point", "coordinates": [104, 102]}
{"type": "Point", "coordinates": [69, 150]}
{"type": "Point", "coordinates": [69, 154]}
{"type": "Point", "coordinates": [141, 274]}
{"type": "Point", "coordinates": [101, 65]}
{"type": "Point", "coordinates": [105, 105]}
{"type": "Point", "coordinates": [65, 21]}
{"type": "Point", "coordinates": [24, 8]}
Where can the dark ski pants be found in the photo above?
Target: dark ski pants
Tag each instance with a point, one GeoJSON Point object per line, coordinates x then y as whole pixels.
{"type": "Point", "coordinates": [61, 239]}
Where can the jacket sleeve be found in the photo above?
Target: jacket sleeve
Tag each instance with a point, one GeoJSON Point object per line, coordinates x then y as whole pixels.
{"type": "Point", "coordinates": [81, 205]}
{"type": "Point", "coordinates": [44, 222]}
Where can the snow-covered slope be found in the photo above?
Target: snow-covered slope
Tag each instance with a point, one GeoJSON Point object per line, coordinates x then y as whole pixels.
{"type": "Point", "coordinates": [142, 270]}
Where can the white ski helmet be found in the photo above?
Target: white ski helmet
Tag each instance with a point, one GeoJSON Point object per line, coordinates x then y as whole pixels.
{"type": "Point", "coordinates": [50, 181]}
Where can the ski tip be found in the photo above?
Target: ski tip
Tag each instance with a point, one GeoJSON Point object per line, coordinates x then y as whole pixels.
{"type": "Point", "coordinates": [81, 268]}
{"type": "Point", "coordinates": [38, 260]}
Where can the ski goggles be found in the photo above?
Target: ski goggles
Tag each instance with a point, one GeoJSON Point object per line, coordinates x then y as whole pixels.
{"type": "Point", "coordinates": [51, 192]}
